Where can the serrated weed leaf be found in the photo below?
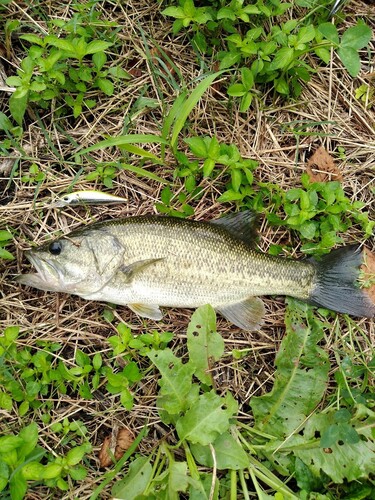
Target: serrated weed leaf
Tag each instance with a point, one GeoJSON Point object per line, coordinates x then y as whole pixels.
{"type": "Point", "coordinates": [207, 419]}
{"type": "Point", "coordinates": [175, 382]}
{"type": "Point", "coordinates": [204, 343]}
{"type": "Point", "coordinates": [135, 481]}
{"type": "Point", "coordinates": [301, 375]}
{"type": "Point", "coordinates": [347, 457]}
{"type": "Point", "coordinates": [229, 453]}
{"type": "Point", "coordinates": [178, 478]}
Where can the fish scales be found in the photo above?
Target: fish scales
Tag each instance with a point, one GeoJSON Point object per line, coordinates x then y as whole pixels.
{"type": "Point", "coordinates": [149, 261]}
{"type": "Point", "coordinates": [201, 263]}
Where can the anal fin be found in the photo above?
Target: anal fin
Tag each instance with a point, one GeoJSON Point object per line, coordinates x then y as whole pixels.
{"type": "Point", "coordinates": [247, 314]}
{"type": "Point", "coordinates": [150, 311]}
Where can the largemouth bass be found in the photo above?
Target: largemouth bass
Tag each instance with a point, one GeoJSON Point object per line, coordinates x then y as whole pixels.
{"type": "Point", "coordinates": [150, 261]}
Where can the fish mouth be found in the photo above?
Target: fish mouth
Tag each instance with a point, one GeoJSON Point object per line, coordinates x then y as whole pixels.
{"type": "Point", "coordinates": [47, 277]}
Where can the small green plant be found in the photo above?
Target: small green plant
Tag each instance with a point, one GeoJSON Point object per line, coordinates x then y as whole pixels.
{"type": "Point", "coordinates": [267, 53]}
{"type": "Point", "coordinates": [63, 68]}
{"type": "Point", "coordinates": [366, 94]}
{"type": "Point", "coordinates": [34, 175]}
{"type": "Point", "coordinates": [5, 239]}
{"type": "Point", "coordinates": [23, 461]}
{"type": "Point", "coordinates": [320, 211]}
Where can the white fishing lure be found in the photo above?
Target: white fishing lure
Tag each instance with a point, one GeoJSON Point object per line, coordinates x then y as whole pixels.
{"type": "Point", "coordinates": [89, 197]}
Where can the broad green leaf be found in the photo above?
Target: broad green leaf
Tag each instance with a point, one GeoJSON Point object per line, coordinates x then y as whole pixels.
{"type": "Point", "coordinates": [207, 419]}
{"type": "Point", "coordinates": [306, 480]}
{"type": "Point", "coordinates": [229, 195]}
{"type": "Point", "coordinates": [247, 78]}
{"type": "Point", "coordinates": [306, 34]}
{"type": "Point", "coordinates": [301, 375]}
{"type": "Point", "coordinates": [4, 474]}
{"type": "Point", "coordinates": [6, 402]}
{"type": "Point", "coordinates": [197, 146]}
{"type": "Point", "coordinates": [341, 460]}
{"type": "Point", "coordinates": [236, 90]}
{"type": "Point", "coordinates": [229, 453]}
{"type": "Point", "coordinates": [356, 37]}
{"type": "Point", "coordinates": [350, 59]}
{"type": "Point", "coordinates": [323, 53]}
{"type": "Point", "coordinates": [236, 178]}
{"type": "Point", "coordinates": [75, 455]}
{"type": "Point", "coordinates": [18, 104]}
{"type": "Point", "coordinates": [230, 59]}
{"type": "Point", "coordinates": [11, 333]}
{"type": "Point", "coordinates": [135, 481]}
{"type": "Point", "coordinates": [177, 478]}
{"type": "Point", "coordinates": [99, 59]}
{"type": "Point", "coordinates": [5, 235]}
{"type": "Point", "coordinates": [33, 471]}
{"type": "Point", "coordinates": [281, 85]}
{"type": "Point", "coordinates": [29, 435]}
{"type": "Point", "coordinates": [282, 59]}
{"type": "Point", "coordinates": [175, 382]}
{"type": "Point", "coordinates": [6, 125]}
{"type": "Point", "coordinates": [308, 229]}
{"type": "Point", "coordinates": [208, 166]}
{"type": "Point", "coordinates": [17, 486]}
{"type": "Point", "coordinates": [97, 46]}
{"type": "Point", "coordinates": [105, 86]}
{"type": "Point", "coordinates": [205, 345]}
{"type": "Point", "coordinates": [60, 43]}
{"type": "Point", "coordinates": [176, 12]}
{"type": "Point", "coordinates": [189, 104]}
{"type": "Point", "coordinates": [226, 13]}
{"type": "Point", "coordinates": [32, 39]}
{"type": "Point", "coordinates": [9, 443]}
{"type": "Point", "coordinates": [329, 31]}
{"type": "Point", "coordinates": [246, 101]}
{"type": "Point", "coordinates": [189, 8]}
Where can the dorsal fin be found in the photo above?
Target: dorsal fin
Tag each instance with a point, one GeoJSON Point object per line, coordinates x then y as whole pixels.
{"type": "Point", "coordinates": [242, 225]}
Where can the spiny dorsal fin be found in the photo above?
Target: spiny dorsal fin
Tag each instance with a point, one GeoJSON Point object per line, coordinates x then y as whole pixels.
{"type": "Point", "coordinates": [242, 225]}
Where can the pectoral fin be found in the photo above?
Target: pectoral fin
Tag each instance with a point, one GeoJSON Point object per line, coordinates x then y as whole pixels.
{"type": "Point", "coordinates": [136, 267]}
{"type": "Point", "coordinates": [150, 311]}
{"type": "Point", "coordinates": [247, 314]}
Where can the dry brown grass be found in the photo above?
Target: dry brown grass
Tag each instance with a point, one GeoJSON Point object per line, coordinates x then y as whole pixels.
{"type": "Point", "coordinates": [260, 134]}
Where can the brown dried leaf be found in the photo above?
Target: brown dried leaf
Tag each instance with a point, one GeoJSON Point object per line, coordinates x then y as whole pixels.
{"type": "Point", "coordinates": [104, 455]}
{"type": "Point", "coordinates": [124, 439]}
{"type": "Point", "coordinates": [115, 445]}
{"type": "Point", "coordinates": [321, 167]}
{"type": "Point", "coordinates": [368, 269]}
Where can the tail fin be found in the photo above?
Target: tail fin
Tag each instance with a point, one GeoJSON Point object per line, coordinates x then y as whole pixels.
{"type": "Point", "coordinates": [337, 285]}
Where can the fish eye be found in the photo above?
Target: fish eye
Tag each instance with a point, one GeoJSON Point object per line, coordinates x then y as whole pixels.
{"type": "Point", "coordinates": [55, 248]}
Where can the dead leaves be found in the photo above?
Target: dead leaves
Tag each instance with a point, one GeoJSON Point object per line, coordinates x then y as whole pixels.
{"type": "Point", "coordinates": [321, 167]}
{"type": "Point", "coordinates": [115, 446]}
{"type": "Point", "coordinates": [368, 273]}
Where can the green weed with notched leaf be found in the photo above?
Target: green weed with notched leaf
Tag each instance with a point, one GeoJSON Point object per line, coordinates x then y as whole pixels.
{"type": "Point", "coordinates": [305, 440]}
